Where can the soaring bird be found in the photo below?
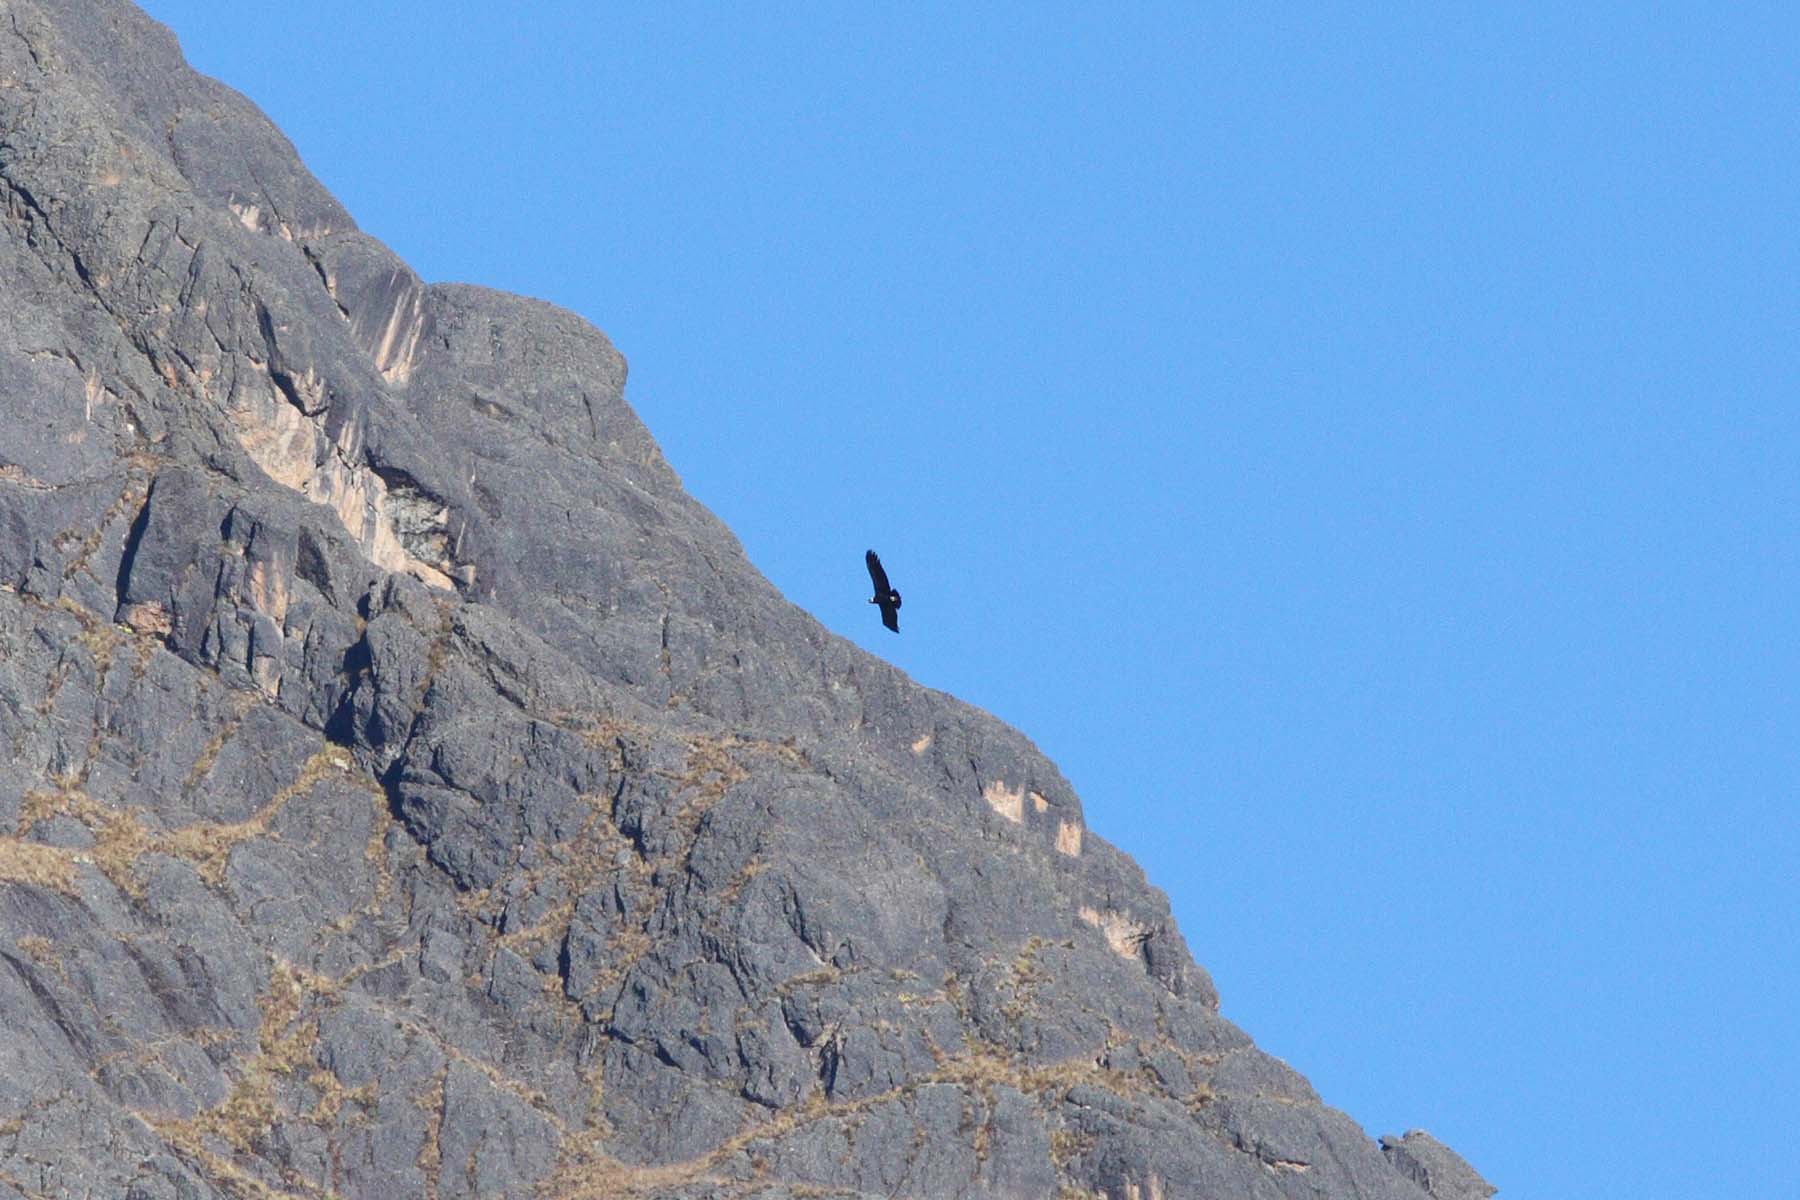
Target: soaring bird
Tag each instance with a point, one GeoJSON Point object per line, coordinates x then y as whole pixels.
{"type": "Point", "coordinates": [885, 595]}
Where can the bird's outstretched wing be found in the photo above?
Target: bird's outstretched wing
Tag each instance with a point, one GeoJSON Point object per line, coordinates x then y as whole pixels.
{"type": "Point", "coordinates": [877, 575]}
{"type": "Point", "coordinates": [885, 595]}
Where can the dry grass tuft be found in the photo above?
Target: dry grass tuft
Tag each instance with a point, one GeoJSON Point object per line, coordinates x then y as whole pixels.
{"type": "Point", "coordinates": [209, 753]}
{"type": "Point", "coordinates": [99, 638]}
{"type": "Point", "coordinates": [431, 1152]}
{"type": "Point", "coordinates": [587, 1173]}
{"type": "Point", "coordinates": [285, 1046]}
{"type": "Point", "coordinates": [1025, 968]}
{"type": "Point", "coordinates": [40, 950]}
{"type": "Point", "coordinates": [1200, 1097]}
{"type": "Point", "coordinates": [208, 845]}
{"type": "Point", "coordinates": [121, 839]}
{"type": "Point", "coordinates": [119, 836]}
{"type": "Point", "coordinates": [1066, 1145]}
{"type": "Point", "coordinates": [37, 865]}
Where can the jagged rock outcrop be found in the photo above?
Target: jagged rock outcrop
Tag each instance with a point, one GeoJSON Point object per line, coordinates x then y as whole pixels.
{"type": "Point", "coordinates": [1435, 1167]}
{"type": "Point", "coordinates": [406, 789]}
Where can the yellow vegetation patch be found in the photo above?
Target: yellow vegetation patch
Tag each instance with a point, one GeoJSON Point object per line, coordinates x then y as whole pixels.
{"type": "Point", "coordinates": [248, 1113]}
{"type": "Point", "coordinates": [718, 763]}
{"type": "Point", "coordinates": [97, 637]}
{"type": "Point", "coordinates": [42, 866]}
{"type": "Point", "coordinates": [600, 730]}
{"type": "Point", "coordinates": [431, 1154]}
{"type": "Point", "coordinates": [587, 1173]}
{"type": "Point", "coordinates": [1026, 969]}
{"type": "Point", "coordinates": [241, 704]}
{"type": "Point", "coordinates": [209, 845]}
{"type": "Point", "coordinates": [41, 950]}
{"type": "Point", "coordinates": [712, 768]}
{"type": "Point", "coordinates": [121, 838]}
{"type": "Point", "coordinates": [1067, 1145]}
{"type": "Point", "coordinates": [333, 1095]}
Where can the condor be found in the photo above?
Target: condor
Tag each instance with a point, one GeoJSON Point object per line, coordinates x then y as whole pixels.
{"type": "Point", "coordinates": [885, 595]}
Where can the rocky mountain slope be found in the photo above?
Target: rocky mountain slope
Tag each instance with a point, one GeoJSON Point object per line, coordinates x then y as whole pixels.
{"type": "Point", "coordinates": [406, 789]}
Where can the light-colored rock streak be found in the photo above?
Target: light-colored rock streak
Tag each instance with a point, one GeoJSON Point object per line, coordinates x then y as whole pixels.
{"type": "Point", "coordinates": [1068, 838]}
{"type": "Point", "coordinates": [1124, 935]}
{"type": "Point", "coordinates": [286, 444]}
{"type": "Point", "coordinates": [1009, 803]}
{"type": "Point", "coordinates": [396, 350]}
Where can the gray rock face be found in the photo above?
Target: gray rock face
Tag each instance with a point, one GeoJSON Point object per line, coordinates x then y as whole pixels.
{"type": "Point", "coordinates": [406, 789]}
{"type": "Point", "coordinates": [1435, 1167]}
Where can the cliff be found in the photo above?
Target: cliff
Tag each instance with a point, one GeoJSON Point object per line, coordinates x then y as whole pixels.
{"type": "Point", "coordinates": [408, 790]}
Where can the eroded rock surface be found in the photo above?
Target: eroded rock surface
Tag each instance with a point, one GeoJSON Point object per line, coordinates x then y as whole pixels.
{"type": "Point", "coordinates": [406, 789]}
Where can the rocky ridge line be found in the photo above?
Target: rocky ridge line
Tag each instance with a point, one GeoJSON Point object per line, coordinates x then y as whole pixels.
{"type": "Point", "coordinates": [409, 790]}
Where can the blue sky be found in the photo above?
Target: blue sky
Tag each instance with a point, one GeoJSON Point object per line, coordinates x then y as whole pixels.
{"type": "Point", "coordinates": [1360, 449]}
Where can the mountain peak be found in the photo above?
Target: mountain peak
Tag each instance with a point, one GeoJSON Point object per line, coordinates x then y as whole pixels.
{"type": "Point", "coordinates": [413, 791]}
